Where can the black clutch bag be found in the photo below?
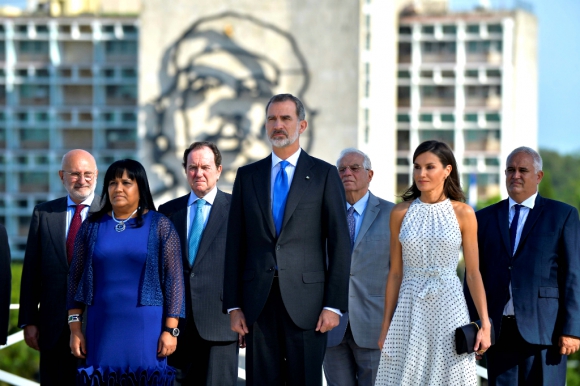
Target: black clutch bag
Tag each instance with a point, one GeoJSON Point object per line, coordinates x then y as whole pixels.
{"type": "Point", "coordinates": [465, 337]}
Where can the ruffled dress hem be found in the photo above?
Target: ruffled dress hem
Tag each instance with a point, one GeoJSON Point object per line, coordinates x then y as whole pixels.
{"type": "Point", "coordinates": [110, 376]}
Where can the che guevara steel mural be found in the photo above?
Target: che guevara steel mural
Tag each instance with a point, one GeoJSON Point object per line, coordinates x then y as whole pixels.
{"type": "Point", "coordinates": [216, 79]}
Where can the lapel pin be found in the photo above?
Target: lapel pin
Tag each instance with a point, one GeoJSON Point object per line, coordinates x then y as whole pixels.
{"type": "Point", "coordinates": [307, 177]}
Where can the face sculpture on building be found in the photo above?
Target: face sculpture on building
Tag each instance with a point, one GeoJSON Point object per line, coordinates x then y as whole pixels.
{"type": "Point", "coordinates": [216, 80]}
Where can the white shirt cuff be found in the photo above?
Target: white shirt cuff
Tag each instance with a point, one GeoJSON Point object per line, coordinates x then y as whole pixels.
{"type": "Point", "coordinates": [333, 310]}
{"type": "Point", "coordinates": [233, 309]}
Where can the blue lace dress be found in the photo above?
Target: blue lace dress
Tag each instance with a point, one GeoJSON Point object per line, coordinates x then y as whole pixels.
{"type": "Point", "coordinates": [121, 333]}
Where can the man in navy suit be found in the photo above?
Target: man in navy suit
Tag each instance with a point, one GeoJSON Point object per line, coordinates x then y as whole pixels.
{"type": "Point", "coordinates": [529, 255]}
{"type": "Point", "coordinates": [287, 255]}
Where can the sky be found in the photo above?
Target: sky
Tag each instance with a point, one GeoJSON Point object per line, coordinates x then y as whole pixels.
{"type": "Point", "coordinates": [559, 67]}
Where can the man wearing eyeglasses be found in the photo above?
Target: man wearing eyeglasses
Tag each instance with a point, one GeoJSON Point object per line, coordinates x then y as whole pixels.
{"type": "Point", "coordinates": [53, 227]}
{"type": "Point", "coordinates": [352, 355]}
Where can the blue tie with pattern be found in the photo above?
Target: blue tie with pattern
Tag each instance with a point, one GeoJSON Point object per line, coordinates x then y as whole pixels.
{"type": "Point", "coordinates": [280, 196]}
{"type": "Point", "coordinates": [351, 224]}
{"type": "Point", "coordinates": [514, 228]}
{"type": "Point", "coordinates": [196, 231]}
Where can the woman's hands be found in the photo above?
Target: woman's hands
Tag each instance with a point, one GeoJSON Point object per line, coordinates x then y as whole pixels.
{"type": "Point", "coordinates": [383, 336]}
{"type": "Point", "coordinates": [78, 347]}
{"type": "Point", "coordinates": [482, 340]}
{"type": "Point", "coordinates": [166, 345]}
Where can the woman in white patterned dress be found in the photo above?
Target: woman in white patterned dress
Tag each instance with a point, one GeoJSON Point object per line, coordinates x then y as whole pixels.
{"type": "Point", "coordinates": [424, 301]}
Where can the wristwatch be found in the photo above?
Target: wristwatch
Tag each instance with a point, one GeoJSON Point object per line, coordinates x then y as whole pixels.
{"type": "Point", "coordinates": [172, 331]}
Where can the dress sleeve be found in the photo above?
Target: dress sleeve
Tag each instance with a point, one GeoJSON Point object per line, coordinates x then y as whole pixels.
{"type": "Point", "coordinates": [77, 266]}
{"type": "Point", "coordinates": [172, 270]}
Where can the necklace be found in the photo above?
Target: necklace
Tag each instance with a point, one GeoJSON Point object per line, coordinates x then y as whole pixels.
{"type": "Point", "coordinates": [120, 227]}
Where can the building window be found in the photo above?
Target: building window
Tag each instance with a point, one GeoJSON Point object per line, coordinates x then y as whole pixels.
{"type": "Point", "coordinates": [402, 182]}
{"type": "Point", "coordinates": [449, 30]}
{"type": "Point", "coordinates": [492, 162]}
{"type": "Point", "coordinates": [470, 161]}
{"type": "Point", "coordinates": [482, 140]}
{"type": "Point", "coordinates": [404, 74]}
{"type": "Point", "coordinates": [403, 140]}
{"type": "Point", "coordinates": [403, 118]}
{"type": "Point", "coordinates": [129, 29]}
{"type": "Point", "coordinates": [428, 30]}
{"type": "Point", "coordinates": [405, 30]}
{"type": "Point", "coordinates": [121, 47]}
{"type": "Point", "coordinates": [129, 117]}
{"type": "Point", "coordinates": [128, 73]}
{"type": "Point", "coordinates": [402, 161]}
{"type": "Point", "coordinates": [492, 117]}
{"type": "Point", "coordinates": [34, 138]}
{"type": "Point", "coordinates": [446, 136]}
{"type": "Point", "coordinates": [437, 96]}
{"type": "Point", "coordinates": [494, 28]}
{"type": "Point", "coordinates": [426, 118]}
{"type": "Point", "coordinates": [473, 28]}
{"type": "Point", "coordinates": [470, 118]}
{"type": "Point", "coordinates": [33, 182]}
{"type": "Point", "coordinates": [403, 96]}
{"type": "Point", "coordinates": [33, 47]}
{"type": "Point", "coordinates": [447, 118]}
{"type": "Point", "coordinates": [404, 52]}
{"type": "Point", "coordinates": [471, 73]}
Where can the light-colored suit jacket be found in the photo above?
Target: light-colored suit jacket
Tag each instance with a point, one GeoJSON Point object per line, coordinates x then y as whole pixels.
{"type": "Point", "coordinates": [368, 277]}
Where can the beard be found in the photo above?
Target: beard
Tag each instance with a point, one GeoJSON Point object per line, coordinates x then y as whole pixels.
{"type": "Point", "coordinates": [283, 142]}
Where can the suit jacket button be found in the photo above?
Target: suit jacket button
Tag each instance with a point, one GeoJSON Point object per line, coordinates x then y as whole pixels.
{"type": "Point", "coordinates": [193, 274]}
{"type": "Point", "coordinates": [510, 267]}
{"type": "Point", "coordinates": [277, 247]}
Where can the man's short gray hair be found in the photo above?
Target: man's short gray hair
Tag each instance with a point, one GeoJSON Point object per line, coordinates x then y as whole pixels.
{"type": "Point", "coordinates": [352, 150]}
{"type": "Point", "coordinates": [538, 164]}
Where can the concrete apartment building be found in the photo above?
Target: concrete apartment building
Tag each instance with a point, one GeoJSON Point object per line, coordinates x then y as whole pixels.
{"type": "Point", "coordinates": [68, 79]}
{"type": "Point", "coordinates": [469, 79]}
{"type": "Point", "coordinates": [378, 75]}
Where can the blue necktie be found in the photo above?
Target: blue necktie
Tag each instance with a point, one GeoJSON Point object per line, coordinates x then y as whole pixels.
{"type": "Point", "coordinates": [196, 231]}
{"type": "Point", "coordinates": [351, 224]}
{"type": "Point", "coordinates": [280, 196]}
{"type": "Point", "coordinates": [514, 228]}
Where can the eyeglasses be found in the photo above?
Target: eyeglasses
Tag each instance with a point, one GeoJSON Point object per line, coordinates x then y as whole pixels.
{"type": "Point", "coordinates": [75, 176]}
{"type": "Point", "coordinates": [353, 168]}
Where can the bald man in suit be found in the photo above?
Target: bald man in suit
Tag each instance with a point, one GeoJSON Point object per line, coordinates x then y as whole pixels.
{"type": "Point", "coordinates": [43, 314]}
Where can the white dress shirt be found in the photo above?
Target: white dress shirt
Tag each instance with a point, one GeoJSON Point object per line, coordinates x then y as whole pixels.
{"type": "Point", "coordinates": [524, 211]}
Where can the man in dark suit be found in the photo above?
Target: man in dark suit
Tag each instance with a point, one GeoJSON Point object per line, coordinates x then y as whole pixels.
{"type": "Point", "coordinates": [43, 313]}
{"type": "Point", "coordinates": [352, 355]}
{"type": "Point", "coordinates": [287, 216]}
{"type": "Point", "coordinates": [5, 284]}
{"type": "Point", "coordinates": [529, 255]}
{"type": "Point", "coordinates": [207, 349]}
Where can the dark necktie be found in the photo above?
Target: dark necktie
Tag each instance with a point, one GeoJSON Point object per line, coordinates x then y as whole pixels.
{"type": "Point", "coordinates": [351, 224]}
{"type": "Point", "coordinates": [196, 231]}
{"type": "Point", "coordinates": [280, 196]}
{"type": "Point", "coordinates": [73, 229]}
{"type": "Point", "coordinates": [514, 228]}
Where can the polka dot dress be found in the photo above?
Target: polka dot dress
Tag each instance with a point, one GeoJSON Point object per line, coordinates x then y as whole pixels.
{"type": "Point", "coordinates": [420, 345]}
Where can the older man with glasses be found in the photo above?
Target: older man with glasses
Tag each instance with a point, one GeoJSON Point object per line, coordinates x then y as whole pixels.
{"type": "Point", "coordinates": [53, 228]}
{"type": "Point", "coordinates": [352, 355]}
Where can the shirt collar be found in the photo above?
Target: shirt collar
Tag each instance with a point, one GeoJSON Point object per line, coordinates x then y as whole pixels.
{"type": "Point", "coordinates": [88, 201]}
{"type": "Point", "coordinates": [361, 204]}
{"type": "Point", "coordinates": [529, 202]}
{"type": "Point", "coordinates": [209, 198]}
{"type": "Point", "coordinates": [293, 159]}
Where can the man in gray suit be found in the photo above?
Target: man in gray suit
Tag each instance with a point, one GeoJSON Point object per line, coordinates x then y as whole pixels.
{"type": "Point", "coordinates": [352, 356]}
{"type": "Point", "coordinates": [207, 349]}
{"type": "Point", "coordinates": [43, 314]}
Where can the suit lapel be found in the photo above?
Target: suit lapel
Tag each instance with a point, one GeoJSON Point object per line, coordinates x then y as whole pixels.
{"type": "Point", "coordinates": [216, 220]}
{"type": "Point", "coordinates": [300, 183]}
{"type": "Point", "coordinates": [371, 213]}
{"type": "Point", "coordinates": [57, 228]}
{"type": "Point", "coordinates": [261, 178]}
{"type": "Point", "coordinates": [179, 219]}
{"type": "Point", "coordinates": [533, 216]}
{"type": "Point", "coordinates": [503, 225]}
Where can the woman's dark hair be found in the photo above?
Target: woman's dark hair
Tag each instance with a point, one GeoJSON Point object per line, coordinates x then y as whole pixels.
{"type": "Point", "coordinates": [136, 172]}
{"type": "Point", "coordinates": [451, 186]}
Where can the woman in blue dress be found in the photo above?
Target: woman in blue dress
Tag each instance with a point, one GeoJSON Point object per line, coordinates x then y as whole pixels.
{"type": "Point", "coordinates": [127, 273]}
